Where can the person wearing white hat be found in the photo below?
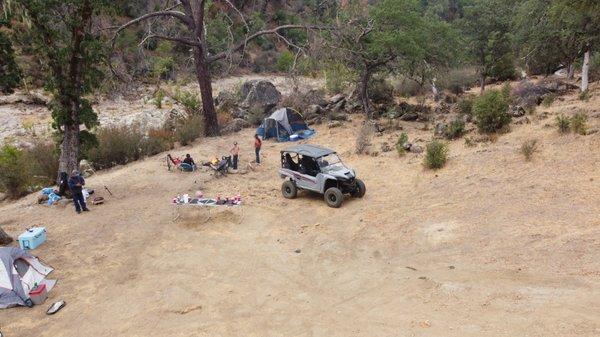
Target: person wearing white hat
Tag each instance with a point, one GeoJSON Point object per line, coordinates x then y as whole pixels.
{"type": "Point", "coordinates": [76, 183]}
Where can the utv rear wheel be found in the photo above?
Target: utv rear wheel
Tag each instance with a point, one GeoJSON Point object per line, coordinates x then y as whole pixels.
{"type": "Point", "coordinates": [289, 189]}
{"type": "Point", "coordinates": [334, 197]}
{"type": "Point", "coordinates": [360, 190]}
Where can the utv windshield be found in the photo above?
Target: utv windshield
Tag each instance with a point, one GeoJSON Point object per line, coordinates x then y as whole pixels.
{"type": "Point", "coordinates": [331, 162]}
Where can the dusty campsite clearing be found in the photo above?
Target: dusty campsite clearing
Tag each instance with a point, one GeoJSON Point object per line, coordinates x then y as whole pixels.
{"type": "Point", "coordinates": [490, 245]}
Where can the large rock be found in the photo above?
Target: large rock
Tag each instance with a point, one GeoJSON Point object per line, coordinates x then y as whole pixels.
{"type": "Point", "coordinates": [235, 125]}
{"type": "Point", "coordinates": [260, 93]}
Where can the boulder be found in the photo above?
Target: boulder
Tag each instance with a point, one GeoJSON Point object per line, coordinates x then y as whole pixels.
{"type": "Point", "coordinates": [516, 111]}
{"type": "Point", "coordinates": [440, 129]}
{"type": "Point", "coordinates": [409, 117]}
{"type": "Point", "coordinates": [235, 125]}
{"type": "Point", "coordinates": [334, 124]}
{"type": "Point", "coordinates": [226, 101]}
{"type": "Point", "coordinates": [336, 99]}
{"type": "Point", "coordinates": [385, 147]}
{"type": "Point", "coordinates": [259, 93]}
{"type": "Point", "coordinates": [416, 148]}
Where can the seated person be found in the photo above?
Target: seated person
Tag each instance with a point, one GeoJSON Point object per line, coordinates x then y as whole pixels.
{"type": "Point", "coordinates": [188, 160]}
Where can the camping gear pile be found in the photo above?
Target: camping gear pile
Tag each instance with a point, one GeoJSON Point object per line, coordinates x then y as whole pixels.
{"type": "Point", "coordinates": [32, 238]}
{"type": "Point", "coordinates": [284, 124]}
{"type": "Point", "coordinates": [51, 194]}
{"type": "Point", "coordinates": [22, 278]}
{"type": "Point", "coordinates": [201, 201]}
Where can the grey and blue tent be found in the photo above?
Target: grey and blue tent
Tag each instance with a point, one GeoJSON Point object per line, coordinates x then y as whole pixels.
{"type": "Point", "coordinates": [282, 124]}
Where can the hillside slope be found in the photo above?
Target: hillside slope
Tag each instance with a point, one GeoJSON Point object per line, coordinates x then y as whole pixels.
{"type": "Point", "coordinates": [489, 245]}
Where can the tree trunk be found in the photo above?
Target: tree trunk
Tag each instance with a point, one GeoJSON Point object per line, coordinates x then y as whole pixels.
{"type": "Point", "coordinates": [482, 83]}
{"type": "Point", "coordinates": [211, 124]}
{"type": "Point", "coordinates": [571, 72]}
{"type": "Point", "coordinates": [69, 150]}
{"type": "Point", "coordinates": [585, 72]}
{"type": "Point", "coordinates": [4, 238]}
{"type": "Point", "coordinates": [364, 92]}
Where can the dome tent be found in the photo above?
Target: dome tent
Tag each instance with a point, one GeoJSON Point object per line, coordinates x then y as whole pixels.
{"type": "Point", "coordinates": [19, 273]}
{"type": "Point", "coordinates": [282, 124]}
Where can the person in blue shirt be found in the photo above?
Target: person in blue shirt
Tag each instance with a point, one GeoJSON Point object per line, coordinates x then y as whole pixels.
{"type": "Point", "coordinates": [76, 183]}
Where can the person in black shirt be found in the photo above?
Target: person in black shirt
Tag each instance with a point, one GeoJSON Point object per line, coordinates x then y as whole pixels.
{"type": "Point", "coordinates": [76, 183]}
{"type": "Point", "coordinates": [189, 160]}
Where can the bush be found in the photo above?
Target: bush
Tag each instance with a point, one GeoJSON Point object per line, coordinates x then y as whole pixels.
{"type": "Point", "coordinates": [548, 100]}
{"type": "Point", "coordinates": [190, 101]}
{"type": "Point", "coordinates": [117, 145]}
{"type": "Point", "coordinates": [458, 81]}
{"type": "Point", "coordinates": [337, 77]}
{"type": "Point", "coordinates": [402, 140]}
{"type": "Point", "coordinates": [579, 123]}
{"type": "Point", "coordinates": [563, 123]}
{"type": "Point", "coordinates": [455, 129]}
{"type": "Point", "coordinates": [585, 96]}
{"type": "Point", "coordinates": [285, 61]}
{"type": "Point", "coordinates": [302, 100]}
{"type": "Point", "coordinates": [363, 140]}
{"type": "Point", "coordinates": [465, 106]}
{"type": "Point", "coordinates": [14, 172]}
{"type": "Point", "coordinates": [528, 148]}
{"type": "Point", "coordinates": [436, 155]}
{"type": "Point", "coordinates": [43, 161]}
{"type": "Point", "coordinates": [159, 95]}
{"type": "Point", "coordinates": [490, 111]}
{"type": "Point", "coordinates": [380, 91]}
{"type": "Point", "coordinates": [157, 141]}
{"type": "Point", "coordinates": [189, 129]}
{"type": "Point", "coordinates": [255, 115]}
{"type": "Point", "coordinates": [407, 87]}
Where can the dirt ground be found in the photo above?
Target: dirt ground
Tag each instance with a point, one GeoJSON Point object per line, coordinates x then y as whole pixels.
{"type": "Point", "coordinates": [490, 245]}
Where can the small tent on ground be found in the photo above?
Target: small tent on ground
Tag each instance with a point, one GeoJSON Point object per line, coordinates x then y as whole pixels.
{"type": "Point", "coordinates": [19, 273]}
{"type": "Point", "coordinates": [282, 124]}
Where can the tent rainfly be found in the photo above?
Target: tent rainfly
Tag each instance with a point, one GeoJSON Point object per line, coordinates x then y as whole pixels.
{"type": "Point", "coordinates": [282, 124]}
{"type": "Point", "coordinates": [19, 273]}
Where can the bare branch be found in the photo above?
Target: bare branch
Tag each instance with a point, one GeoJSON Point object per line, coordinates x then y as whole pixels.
{"type": "Point", "coordinates": [242, 44]}
{"type": "Point", "coordinates": [239, 13]}
{"type": "Point", "coordinates": [170, 38]}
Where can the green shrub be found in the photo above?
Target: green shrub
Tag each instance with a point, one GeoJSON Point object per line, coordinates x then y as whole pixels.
{"type": "Point", "coordinates": [506, 90]}
{"type": "Point", "coordinates": [585, 96]}
{"type": "Point", "coordinates": [455, 129]}
{"type": "Point", "coordinates": [402, 140]}
{"type": "Point", "coordinates": [11, 73]}
{"type": "Point", "coordinates": [14, 172]}
{"type": "Point", "coordinates": [285, 61]}
{"type": "Point", "coordinates": [117, 145]}
{"type": "Point", "coordinates": [548, 100]}
{"type": "Point", "coordinates": [43, 161]}
{"type": "Point", "coordinates": [162, 67]}
{"type": "Point", "coordinates": [436, 155]}
{"type": "Point", "coordinates": [159, 95]}
{"type": "Point", "coordinates": [380, 91]}
{"type": "Point", "coordinates": [491, 111]}
{"type": "Point", "coordinates": [189, 129]}
{"type": "Point", "coordinates": [579, 123]}
{"type": "Point", "coordinates": [528, 148]}
{"type": "Point", "coordinates": [563, 123]}
{"type": "Point", "coordinates": [190, 101]}
{"type": "Point", "coordinates": [465, 106]}
{"type": "Point", "coordinates": [255, 115]}
{"type": "Point", "coordinates": [337, 77]}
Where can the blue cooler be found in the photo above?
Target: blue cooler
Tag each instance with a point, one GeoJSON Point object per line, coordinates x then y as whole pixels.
{"type": "Point", "coordinates": [32, 238]}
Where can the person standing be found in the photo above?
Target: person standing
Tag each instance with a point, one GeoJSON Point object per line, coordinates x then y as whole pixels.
{"type": "Point", "coordinates": [76, 183]}
{"type": "Point", "coordinates": [235, 152]}
{"type": "Point", "coordinates": [257, 146]}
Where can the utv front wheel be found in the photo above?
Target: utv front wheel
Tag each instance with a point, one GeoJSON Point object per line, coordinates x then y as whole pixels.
{"type": "Point", "coordinates": [334, 197]}
{"type": "Point", "coordinates": [360, 190]}
{"type": "Point", "coordinates": [289, 189]}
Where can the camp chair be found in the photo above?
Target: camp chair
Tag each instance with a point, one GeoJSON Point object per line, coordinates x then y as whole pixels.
{"type": "Point", "coordinates": [185, 167]}
{"type": "Point", "coordinates": [222, 168]}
